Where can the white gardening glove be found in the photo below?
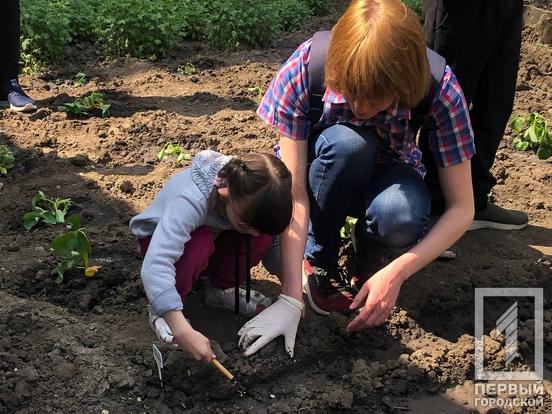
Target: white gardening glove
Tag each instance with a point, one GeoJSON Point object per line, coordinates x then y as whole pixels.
{"type": "Point", "coordinates": [280, 318]}
{"type": "Point", "coordinates": [164, 332]}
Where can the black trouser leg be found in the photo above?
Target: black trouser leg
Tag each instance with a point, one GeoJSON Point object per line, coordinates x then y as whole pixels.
{"type": "Point", "coordinates": [480, 40]}
{"type": "Point", "coordinates": [10, 32]}
{"type": "Point", "coordinates": [493, 102]}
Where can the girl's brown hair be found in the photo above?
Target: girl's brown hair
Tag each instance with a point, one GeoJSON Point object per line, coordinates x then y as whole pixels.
{"type": "Point", "coordinates": [260, 187]}
{"type": "Point", "coordinates": [377, 53]}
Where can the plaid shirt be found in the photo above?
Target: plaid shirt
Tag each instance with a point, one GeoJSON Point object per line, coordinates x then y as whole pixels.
{"type": "Point", "coordinates": [286, 105]}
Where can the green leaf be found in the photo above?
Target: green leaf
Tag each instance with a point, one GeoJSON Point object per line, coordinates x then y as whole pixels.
{"type": "Point", "coordinates": [544, 152]}
{"type": "Point", "coordinates": [83, 243]}
{"type": "Point", "coordinates": [531, 134]}
{"type": "Point", "coordinates": [74, 222]}
{"type": "Point", "coordinates": [65, 244]}
{"type": "Point", "coordinates": [79, 79]}
{"type": "Point", "coordinates": [30, 219]}
{"type": "Point", "coordinates": [7, 159]}
{"type": "Point", "coordinates": [185, 156]}
{"type": "Point", "coordinates": [517, 123]}
{"type": "Point", "coordinates": [60, 216]}
{"type": "Point", "coordinates": [58, 275]}
{"type": "Point", "coordinates": [39, 197]}
{"type": "Point", "coordinates": [49, 217]}
{"type": "Point", "coordinates": [105, 109]}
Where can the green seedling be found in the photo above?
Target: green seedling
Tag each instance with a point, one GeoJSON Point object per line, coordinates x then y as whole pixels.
{"type": "Point", "coordinates": [174, 149]}
{"type": "Point", "coordinates": [7, 159]}
{"type": "Point", "coordinates": [82, 106]}
{"type": "Point", "coordinates": [49, 210]}
{"type": "Point", "coordinates": [74, 250]}
{"type": "Point", "coordinates": [532, 132]}
{"type": "Point", "coordinates": [187, 69]}
{"type": "Point", "coordinates": [347, 230]}
{"type": "Point", "coordinates": [257, 92]}
{"type": "Point", "coordinates": [79, 79]}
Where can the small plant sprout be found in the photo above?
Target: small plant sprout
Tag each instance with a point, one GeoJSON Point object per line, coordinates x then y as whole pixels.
{"type": "Point", "coordinates": [49, 210]}
{"type": "Point", "coordinates": [532, 132]}
{"type": "Point", "coordinates": [257, 92]}
{"type": "Point", "coordinates": [187, 69]}
{"type": "Point", "coordinates": [346, 231]}
{"type": "Point", "coordinates": [7, 159]}
{"type": "Point", "coordinates": [180, 153]}
{"type": "Point", "coordinates": [83, 106]}
{"type": "Point", "coordinates": [79, 79]}
{"type": "Point", "coordinates": [74, 250]}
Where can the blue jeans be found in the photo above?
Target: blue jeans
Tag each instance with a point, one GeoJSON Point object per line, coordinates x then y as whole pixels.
{"type": "Point", "coordinates": [343, 180]}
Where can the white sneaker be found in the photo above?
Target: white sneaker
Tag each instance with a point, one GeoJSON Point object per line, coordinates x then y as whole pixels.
{"type": "Point", "coordinates": [225, 300]}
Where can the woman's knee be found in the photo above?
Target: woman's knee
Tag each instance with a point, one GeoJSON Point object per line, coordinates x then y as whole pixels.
{"type": "Point", "coordinates": [348, 143]}
{"type": "Point", "coordinates": [398, 218]}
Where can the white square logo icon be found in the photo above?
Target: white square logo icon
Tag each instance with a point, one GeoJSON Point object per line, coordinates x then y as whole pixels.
{"type": "Point", "coordinates": [507, 325]}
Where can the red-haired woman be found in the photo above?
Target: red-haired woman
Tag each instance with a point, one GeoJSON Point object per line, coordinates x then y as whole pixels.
{"type": "Point", "coordinates": [361, 159]}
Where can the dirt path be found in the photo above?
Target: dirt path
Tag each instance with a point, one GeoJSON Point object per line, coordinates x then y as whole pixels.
{"type": "Point", "coordinates": [84, 346]}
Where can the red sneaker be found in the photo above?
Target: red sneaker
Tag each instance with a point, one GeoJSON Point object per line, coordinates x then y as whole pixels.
{"type": "Point", "coordinates": [327, 290]}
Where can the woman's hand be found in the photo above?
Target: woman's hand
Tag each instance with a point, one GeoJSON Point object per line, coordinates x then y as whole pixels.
{"type": "Point", "coordinates": [379, 293]}
{"type": "Point", "coordinates": [378, 297]}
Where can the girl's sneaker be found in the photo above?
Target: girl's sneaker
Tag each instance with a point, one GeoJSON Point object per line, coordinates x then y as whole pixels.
{"type": "Point", "coordinates": [225, 300]}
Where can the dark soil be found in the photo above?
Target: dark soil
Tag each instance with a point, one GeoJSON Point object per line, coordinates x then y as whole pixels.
{"type": "Point", "coordinates": [543, 4]}
{"type": "Point", "coordinates": [85, 347]}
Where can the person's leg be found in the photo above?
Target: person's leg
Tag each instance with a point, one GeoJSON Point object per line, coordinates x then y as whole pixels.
{"type": "Point", "coordinates": [193, 261]}
{"type": "Point", "coordinates": [492, 107]}
{"type": "Point", "coordinates": [222, 264]}
{"type": "Point", "coordinates": [221, 289]}
{"type": "Point", "coordinates": [342, 160]}
{"type": "Point", "coordinates": [456, 31]}
{"type": "Point", "coordinates": [271, 260]}
{"type": "Point", "coordinates": [480, 40]}
{"type": "Point", "coordinates": [397, 214]}
{"type": "Point", "coordinates": [494, 98]}
{"type": "Point", "coordinates": [10, 31]}
{"type": "Point", "coordinates": [188, 269]}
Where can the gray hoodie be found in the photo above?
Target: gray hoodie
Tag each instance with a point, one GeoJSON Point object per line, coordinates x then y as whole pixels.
{"type": "Point", "coordinates": [178, 209]}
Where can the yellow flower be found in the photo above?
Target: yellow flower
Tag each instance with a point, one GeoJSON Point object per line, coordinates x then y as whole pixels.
{"type": "Point", "coordinates": [91, 271]}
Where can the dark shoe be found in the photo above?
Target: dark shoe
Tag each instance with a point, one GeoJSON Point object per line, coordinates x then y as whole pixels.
{"type": "Point", "coordinates": [498, 218]}
{"type": "Point", "coordinates": [370, 257]}
{"type": "Point", "coordinates": [19, 101]}
{"type": "Point", "coordinates": [326, 289]}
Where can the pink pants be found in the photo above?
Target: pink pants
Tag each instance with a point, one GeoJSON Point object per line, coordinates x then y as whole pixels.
{"type": "Point", "coordinates": [216, 257]}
